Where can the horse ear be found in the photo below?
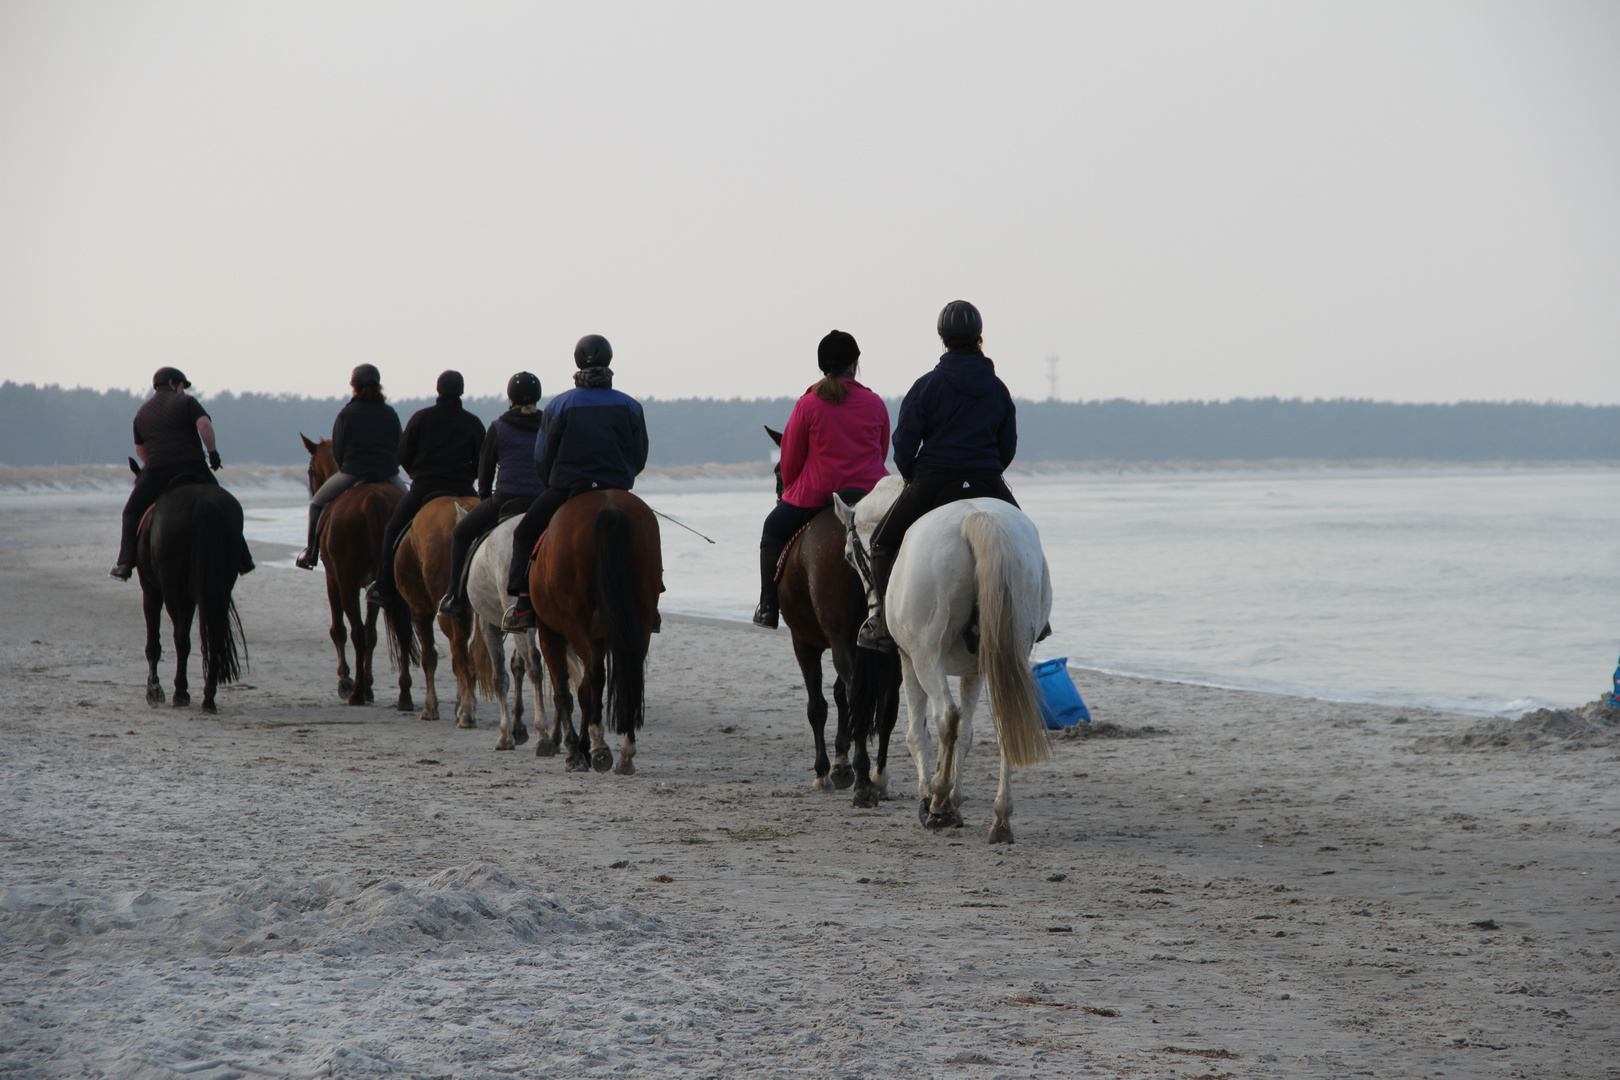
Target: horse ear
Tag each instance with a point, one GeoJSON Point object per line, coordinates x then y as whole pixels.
{"type": "Point", "coordinates": [134, 466]}
{"type": "Point", "coordinates": [776, 436]}
{"type": "Point", "coordinates": [461, 511]}
{"type": "Point", "coordinates": [311, 447]}
{"type": "Point", "coordinates": [841, 508]}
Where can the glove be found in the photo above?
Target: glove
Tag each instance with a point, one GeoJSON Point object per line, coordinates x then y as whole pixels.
{"type": "Point", "coordinates": [213, 460]}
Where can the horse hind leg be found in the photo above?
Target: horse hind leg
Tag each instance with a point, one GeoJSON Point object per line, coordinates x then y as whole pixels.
{"type": "Point", "coordinates": [180, 618]}
{"type": "Point", "coordinates": [152, 603]}
{"type": "Point", "coordinates": [627, 755]}
{"type": "Point", "coordinates": [843, 773]}
{"type": "Point", "coordinates": [555, 652]}
{"type": "Point", "coordinates": [917, 734]}
{"type": "Point", "coordinates": [1001, 826]}
{"type": "Point", "coordinates": [340, 640]}
{"type": "Point", "coordinates": [601, 758]}
{"type": "Point", "coordinates": [941, 810]}
{"type": "Point", "coordinates": [809, 658]}
{"type": "Point", "coordinates": [365, 651]}
{"type": "Point", "coordinates": [430, 665]}
{"type": "Point", "coordinates": [497, 654]}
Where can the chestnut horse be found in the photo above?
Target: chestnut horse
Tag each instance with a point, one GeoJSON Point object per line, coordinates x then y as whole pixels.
{"type": "Point", "coordinates": [594, 582]}
{"type": "Point", "coordinates": [350, 535]}
{"type": "Point", "coordinates": [823, 603]}
{"type": "Point", "coordinates": [422, 576]}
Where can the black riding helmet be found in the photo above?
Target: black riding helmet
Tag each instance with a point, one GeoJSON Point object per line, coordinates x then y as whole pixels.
{"type": "Point", "coordinates": [365, 375]}
{"type": "Point", "coordinates": [593, 350]}
{"type": "Point", "coordinates": [960, 321]}
{"type": "Point", "coordinates": [163, 376]}
{"type": "Point", "coordinates": [450, 384]}
{"type": "Point", "coordinates": [523, 389]}
{"type": "Point", "coordinates": [837, 353]}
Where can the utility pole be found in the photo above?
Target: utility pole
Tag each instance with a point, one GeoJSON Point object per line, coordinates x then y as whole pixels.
{"type": "Point", "coordinates": [1051, 377]}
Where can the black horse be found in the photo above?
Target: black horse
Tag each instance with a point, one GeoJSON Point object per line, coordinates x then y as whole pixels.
{"type": "Point", "coordinates": [188, 556]}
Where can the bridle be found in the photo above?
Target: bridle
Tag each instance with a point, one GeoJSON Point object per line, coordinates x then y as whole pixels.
{"type": "Point", "coordinates": [856, 555]}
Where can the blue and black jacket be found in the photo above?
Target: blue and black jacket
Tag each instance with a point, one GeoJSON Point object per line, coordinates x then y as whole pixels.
{"type": "Point", "coordinates": [957, 418]}
{"type": "Point", "coordinates": [592, 436]}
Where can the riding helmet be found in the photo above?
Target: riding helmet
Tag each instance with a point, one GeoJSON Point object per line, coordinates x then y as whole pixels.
{"type": "Point", "coordinates": [523, 389]}
{"type": "Point", "coordinates": [593, 350]}
{"type": "Point", "coordinates": [837, 353]}
{"type": "Point", "coordinates": [450, 384]}
{"type": "Point", "coordinates": [163, 376]}
{"type": "Point", "coordinates": [960, 321]}
{"type": "Point", "coordinates": [365, 375]}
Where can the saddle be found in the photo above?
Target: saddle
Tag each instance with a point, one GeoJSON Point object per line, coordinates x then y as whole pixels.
{"type": "Point", "coordinates": [185, 479]}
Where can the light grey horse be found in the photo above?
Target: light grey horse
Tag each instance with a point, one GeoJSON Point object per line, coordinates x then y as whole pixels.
{"type": "Point", "coordinates": [486, 592]}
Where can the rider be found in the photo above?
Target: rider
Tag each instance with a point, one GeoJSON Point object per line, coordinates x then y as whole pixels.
{"type": "Point", "coordinates": [509, 444]}
{"type": "Point", "coordinates": [595, 438]}
{"type": "Point", "coordinates": [440, 450]}
{"type": "Point", "coordinates": [167, 428]}
{"type": "Point", "coordinates": [956, 433]}
{"type": "Point", "coordinates": [365, 444]}
{"type": "Point", "coordinates": [835, 441]}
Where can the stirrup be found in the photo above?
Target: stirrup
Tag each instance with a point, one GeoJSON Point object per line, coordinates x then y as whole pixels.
{"type": "Point", "coordinates": [122, 571]}
{"type": "Point", "coordinates": [767, 615]}
{"type": "Point", "coordinates": [453, 607]}
{"type": "Point", "coordinates": [875, 635]}
{"type": "Point", "coordinates": [307, 559]}
{"type": "Point", "coordinates": [520, 618]}
{"type": "Point", "coordinates": [376, 595]}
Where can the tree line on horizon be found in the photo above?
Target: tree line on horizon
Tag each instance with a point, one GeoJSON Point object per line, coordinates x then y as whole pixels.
{"type": "Point", "coordinates": [49, 425]}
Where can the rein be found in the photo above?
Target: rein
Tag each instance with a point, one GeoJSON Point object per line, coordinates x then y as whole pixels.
{"type": "Point", "coordinates": [857, 556]}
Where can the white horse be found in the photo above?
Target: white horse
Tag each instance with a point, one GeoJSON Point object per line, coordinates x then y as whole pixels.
{"type": "Point", "coordinates": [969, 593]}
{"type": "Point", "coordinates": [486, 593]}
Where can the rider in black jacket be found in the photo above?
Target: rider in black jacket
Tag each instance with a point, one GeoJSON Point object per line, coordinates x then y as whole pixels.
{"type": "Point", "coordinates": [956, 433]}
{"type": "Point", "coordinates": [365, 444]}
{"type": "Point", "coordinates": [439, 449]}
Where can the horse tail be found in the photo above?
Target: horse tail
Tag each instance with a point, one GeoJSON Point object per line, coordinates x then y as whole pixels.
{"type": "Point", "coordinates": [481, 659]}
{"type": "Point", "coordinates": [625, 706]}
{"type": "Point", "coordinates": [1004, 642]}
{"type": "Point", "coordinates": [874, 674]}
{"type": "Point", "coordinates": [403, 649]}
{"type": "Point", "coordinates": [214, 551]}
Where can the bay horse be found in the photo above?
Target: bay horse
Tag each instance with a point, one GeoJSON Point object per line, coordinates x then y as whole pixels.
{"type": "Point", "coordinates": [823, 602]}
{"type": "Point", "coordinates": [350, 534]}
{"type": "Point", "coordinates": [422, 576]}
{"type": "Point", "coordinates": [968, 596]}
{"type": "Point", "coordinates": [595, 581]}
{"type": "Point", "coordinates": [187, 556]}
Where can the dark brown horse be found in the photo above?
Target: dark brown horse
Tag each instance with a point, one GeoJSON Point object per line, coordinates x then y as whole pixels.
{"type": "Point", "coordinates": [351, 532]}
{"type": "Point", "coordinates": [823, 603]}
{"type": "Point", "coordinates": [422, 576]}
{"type": "Point", "coordinates": [595, 582]}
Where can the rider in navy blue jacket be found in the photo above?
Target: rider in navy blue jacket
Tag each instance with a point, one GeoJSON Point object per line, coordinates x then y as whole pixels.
{"type": "Point", "coordinates": [594, 437]}
{"type": "Point", "coordinates": [956, 433]}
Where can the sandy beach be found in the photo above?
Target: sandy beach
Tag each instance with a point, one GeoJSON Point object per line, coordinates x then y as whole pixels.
{"type": "Point", "coordinates": [1212, 884]}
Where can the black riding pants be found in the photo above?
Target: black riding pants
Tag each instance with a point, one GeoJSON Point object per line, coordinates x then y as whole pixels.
{"type": "Point", "coordinates": [531, 528]}
{"type": "Point", "coordinates": [151, 483]}
{"type": "Point", "coordinates": [479, 520]}
{"type": "Point", "coordinates": [920, 495]}
{"type": "Point", "coordinates": [417, 497]}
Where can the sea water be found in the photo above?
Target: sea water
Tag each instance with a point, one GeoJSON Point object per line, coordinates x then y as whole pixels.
{"type": "Point", "coordinates": [1473, 589]}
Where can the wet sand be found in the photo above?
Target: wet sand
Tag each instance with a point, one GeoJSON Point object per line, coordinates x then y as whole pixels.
{"type": "Point", "coordinates": [1272, 886]}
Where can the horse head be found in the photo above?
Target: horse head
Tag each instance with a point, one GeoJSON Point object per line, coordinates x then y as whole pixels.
{"type": "Point", "coordinates": [776, 437]}
{"type": "Point", "coordinates": [322, 464]}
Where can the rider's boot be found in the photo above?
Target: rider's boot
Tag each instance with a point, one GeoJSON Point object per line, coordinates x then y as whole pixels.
{"type": "Point", "coordinates": [874, 632]}
{"type": "Point", "coordinates": [122, 571]}
{"type": "Point", "coordinates": [311, 554]}
{"type": "Point", "coordinates": [454, 605]}
{"type": "Point", "coordinates": [770, 553]}
{"type": "Point", "coordinates": [521, 617]}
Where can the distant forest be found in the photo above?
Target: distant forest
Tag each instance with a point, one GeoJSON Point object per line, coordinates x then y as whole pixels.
{"type": "Point", "coordinates": [47, 425]}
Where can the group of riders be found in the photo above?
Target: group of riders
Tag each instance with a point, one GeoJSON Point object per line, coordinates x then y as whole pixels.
{"type": "Point", "coordinates": [955, 435]}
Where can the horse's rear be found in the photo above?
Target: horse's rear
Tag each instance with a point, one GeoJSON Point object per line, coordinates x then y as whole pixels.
{"type": "Point", "coordinates": [422, 576]}
{"type": "Point", "coordinates": [595, 582]}
{"type": "Point", "coordinates": [968, 596]}
{"type": "Point", "coordinates": [350, 539]}
{"type": "Point", "coordinates": [188, 562]}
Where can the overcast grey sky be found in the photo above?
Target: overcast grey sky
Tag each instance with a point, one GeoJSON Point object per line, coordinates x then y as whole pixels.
{"type": "Point", "coordinates": [1405, 201]}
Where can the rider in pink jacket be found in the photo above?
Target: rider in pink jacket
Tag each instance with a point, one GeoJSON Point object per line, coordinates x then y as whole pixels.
{"type": "Point", "coordinates": [835, 441]}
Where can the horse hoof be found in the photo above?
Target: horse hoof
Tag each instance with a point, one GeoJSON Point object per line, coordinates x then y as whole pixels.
{"type": "Point", "coordinates": [430, 715]}
{"type": "Point", "coordinates": [1001, 834]}
{"type": "Point", "coordinates": [625, 768]}
{"type": "Point", "coordinates": [405, 704]}
{"type": "Point", "coordinates": [181, 699]}
{"type": "Point", "coordinates": [843, 775]}
{"type": "Point", "coordinates": [520, 734]}
{"type": "Point", "coordinates": [577, 763]}
{"type": "Point", "coordinates": [154, 695]}
{"type": "Point", "coordinates": [821, 783]}
{"type": "Point", "coordinates": [370, 697]}
{"type": "Point", "coordinates": [545, 748]}
{"type": "Point", "coordinates": [505, 744]}
{"type": "Point", "coordinates": [866, 798]}
{"type": "Point", "coordinates": [601, 759]}
{"type": "Point", "coordinates": [468, 722]}
{"type": "Point", "coordinates": [949, 818]}
{"type": "Point", "coordinates": [922, 812]}
{"type": "Point", "coordinates": [345, 688]}
{"type": "Point", "coordinates": [210, 708]}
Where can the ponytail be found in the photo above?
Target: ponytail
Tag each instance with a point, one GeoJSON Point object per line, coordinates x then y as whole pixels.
{"type": "Point", "coordinates": [831, 389]}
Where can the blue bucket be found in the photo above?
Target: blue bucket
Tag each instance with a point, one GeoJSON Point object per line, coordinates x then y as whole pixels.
{"type": "Point", "coordinates": [1061, 706]}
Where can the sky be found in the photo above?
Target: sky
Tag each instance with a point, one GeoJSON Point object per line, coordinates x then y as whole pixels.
{"type": "Point", "coordinates": [1397, 201]}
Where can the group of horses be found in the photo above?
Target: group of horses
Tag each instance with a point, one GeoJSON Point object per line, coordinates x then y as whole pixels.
{"type": "Point", "coordinates": [968, 595]}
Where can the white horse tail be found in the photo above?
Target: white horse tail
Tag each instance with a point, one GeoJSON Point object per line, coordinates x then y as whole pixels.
{"type": "Point", "coordinates": [1003, 643]}
{"type": "Point", "coordinates": [480, 659]}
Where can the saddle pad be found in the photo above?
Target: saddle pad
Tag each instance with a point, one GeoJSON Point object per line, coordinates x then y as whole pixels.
{"type": "Point", "coordinates": [781, 560]}
{"type": "Point", "coordinates": [537, 544]}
